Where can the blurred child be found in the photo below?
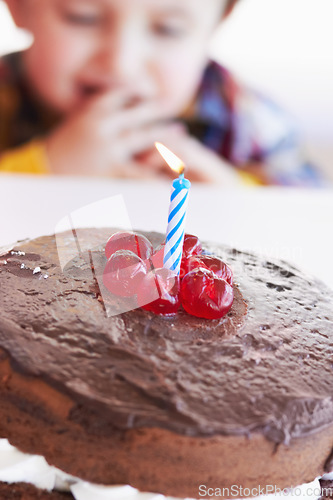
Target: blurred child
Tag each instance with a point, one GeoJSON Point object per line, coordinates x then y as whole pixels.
{"type": "Point", "coordinates": [104, 79]}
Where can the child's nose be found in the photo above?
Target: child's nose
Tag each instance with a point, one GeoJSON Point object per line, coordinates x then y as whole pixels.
{"type": "Point", "coordinates": [124, 56]}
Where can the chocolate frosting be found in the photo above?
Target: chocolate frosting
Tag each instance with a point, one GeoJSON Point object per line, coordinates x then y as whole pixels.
{"type": "Point", "coordinates": [265, 367]}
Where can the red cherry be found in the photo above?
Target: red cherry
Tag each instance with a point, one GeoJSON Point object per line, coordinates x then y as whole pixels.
{"type": "Point", "coordinates": [191, 246]}
{"type": "Point", "coordinates": [219, 268]}
{"type": "Point", "coordinates": [156, 260]}
{"type": "Point", "coordinates": [159, 292]}
{"type": "Point", "coordinates": [136, 243]}
{"type": "Point", "coordinates": [205, 295]}
{"type": "Point", "coordinates": [123, 273]}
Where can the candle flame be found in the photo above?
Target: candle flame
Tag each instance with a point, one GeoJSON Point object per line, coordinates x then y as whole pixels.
{"type": "Point", "coordinates": [175, 163]}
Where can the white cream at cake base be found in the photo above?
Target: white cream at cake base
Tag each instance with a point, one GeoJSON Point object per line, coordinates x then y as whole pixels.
{"type": "Point", "coordinates": [16, 467]}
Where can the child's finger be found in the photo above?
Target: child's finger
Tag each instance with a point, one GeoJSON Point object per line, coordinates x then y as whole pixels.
{"type": "Point", "coordinates": [142, 139]}
{"type": "Point", "coordinates": [142, 115]}
{"type": "Point", "coordinates": [202, 164]}
{"type": "Point", "coordinates": [108, 102]}
{"type": "Point", "coordinates": [132, 170]}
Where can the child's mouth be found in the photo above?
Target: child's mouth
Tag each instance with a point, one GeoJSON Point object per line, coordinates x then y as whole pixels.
{"type": "Point", "coordinates": [85, 91]}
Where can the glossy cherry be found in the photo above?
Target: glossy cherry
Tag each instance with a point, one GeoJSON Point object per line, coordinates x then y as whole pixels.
{"type": "Point", "coordinates": [205, 295]}
{"type": "Point", "coordinates": [219, 268]}
{"type": "Point", "coordinates": [123, 273]}
{"type": "Point", "coordinates": [159, 292]}
{"type": "Point", "coordinates": [156, 259]}
{"type": "Point", "coordinates": [192, 246]}
{"type": "Point", "coordinates": [135, 242]}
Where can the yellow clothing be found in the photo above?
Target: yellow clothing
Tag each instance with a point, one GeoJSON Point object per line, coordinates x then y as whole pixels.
{"type": "Point", "coordinates": [31, 159]}
{"type": "Point", "coordinates": [246, 178]}
{"type": "Point", "coordinates": [23, 122]}
{"type": "Point", "coordinates": [27, 159]}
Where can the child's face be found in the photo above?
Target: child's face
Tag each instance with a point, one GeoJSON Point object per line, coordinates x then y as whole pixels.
{"type": "Point", "coordinates": [155, 49]}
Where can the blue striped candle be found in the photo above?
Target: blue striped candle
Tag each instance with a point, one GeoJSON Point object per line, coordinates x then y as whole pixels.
{"type": "Point", "coordinates": [177, 212]}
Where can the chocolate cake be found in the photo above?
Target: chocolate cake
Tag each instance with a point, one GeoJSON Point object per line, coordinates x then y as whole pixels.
{"type": "Point", "coordinates": [166, 404]}
{"type": "Point", "coordinates": [24, 491]}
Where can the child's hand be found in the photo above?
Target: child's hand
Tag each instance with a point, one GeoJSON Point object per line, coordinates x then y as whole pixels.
{"type": "Point", "coordinates": [104, 136]}
{"type": "Point", "coordinates": [202, 164]}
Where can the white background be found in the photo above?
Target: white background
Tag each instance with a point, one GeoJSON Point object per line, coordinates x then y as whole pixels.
{"type": "Point", "coordinates": [281, 47]}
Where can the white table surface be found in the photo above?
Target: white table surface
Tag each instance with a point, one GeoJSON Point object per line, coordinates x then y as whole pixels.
{"type": "Point", "coordinates": [295, 225]}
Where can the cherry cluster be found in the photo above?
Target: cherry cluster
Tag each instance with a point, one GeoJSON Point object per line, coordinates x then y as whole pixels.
{"type": "Point", "coordinates": [203, 287]}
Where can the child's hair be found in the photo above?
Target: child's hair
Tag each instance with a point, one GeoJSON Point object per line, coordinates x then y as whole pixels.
{"type": "Point", "coordinates": [230, 5]}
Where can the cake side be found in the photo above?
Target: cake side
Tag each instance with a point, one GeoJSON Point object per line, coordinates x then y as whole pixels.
{"type": "Point", "coordinates": [162, 461]}
{"type": "Point", "coordinates": [24, 491]}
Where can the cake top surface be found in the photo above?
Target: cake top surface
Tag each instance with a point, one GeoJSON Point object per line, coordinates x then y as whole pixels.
{"type": "Point", "coordinates": [267, 366]}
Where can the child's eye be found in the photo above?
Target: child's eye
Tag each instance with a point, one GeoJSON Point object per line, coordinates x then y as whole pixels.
{"type": "Point", "coordinates": [82, 19]}
{"type": "Point", "coordinates": [168, 31]}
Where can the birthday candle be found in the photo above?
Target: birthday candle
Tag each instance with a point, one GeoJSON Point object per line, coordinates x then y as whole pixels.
{"type": "Point", "coordinates": [177, 211]}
